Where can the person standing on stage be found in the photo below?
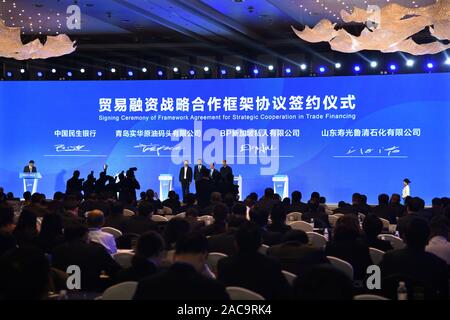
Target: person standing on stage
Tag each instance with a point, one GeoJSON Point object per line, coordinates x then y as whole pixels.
{"type": "Point", "coordinates": [30, 168]}
{"type": "Point", "coordinates": [185, 178]}
{"type": "Point", "coordinates": [199, 168]}
{"type": "Point", "coordinates": [225, 171]}
{"type": "Point", "coordinates": [406, 192]}
{"type": "Point", "coordinates": [214, 174]}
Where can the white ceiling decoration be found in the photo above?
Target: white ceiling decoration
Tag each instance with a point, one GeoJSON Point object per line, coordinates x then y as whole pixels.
{"type": "Point", "coordinates": [392, 32]}
{"type": "Point", "coordinates": [11, 45]}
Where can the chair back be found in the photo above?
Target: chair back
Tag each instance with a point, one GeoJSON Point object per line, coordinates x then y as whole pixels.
{"type": "Point", "coordinates": [342, 265]}
{"type": "Point", "coordinates": [128, 213]}
{"type": "Point", "coordinates": [376, 255]}
{"type": "Point", "coordinates": [396, 242]}
{"type": "Point", "coordinates": [369, 297]}
{"type": "Point", "coordinates": [263, 249]}
{"type": "Point", "coordinates": [207, 219]}
{"type": "Point", "coordinates": [332, 219]}
{"type": "Point", "coordinates": [294, 216]}
{"type": "Point", "coordinates": [121, 291]}
{"type": "Point", "coordinates": [290, 277]}
{"type": "Point", "coordinates": [385, 224]}
{"type": "Point", "coordinates": [124, 258]}
{"type": "Point", "coordinates": [213, 260]}
{"type": "Point", "coordinates": [127, 241]}
{"type": "Point", "coordinates": [181, 215]}
{"type": "Point", "coordinates": [159, 218]}
{"type": "Point", "coordinates": [317, 240]}
{"type": "Point", "coordinates": [167, 211]}
{"type": "Point", "coordinates": [115, 232]}
{"type": "Point", "coordinates": [238, 293]}
{"type": "Point", "coordinates": [301, 225]}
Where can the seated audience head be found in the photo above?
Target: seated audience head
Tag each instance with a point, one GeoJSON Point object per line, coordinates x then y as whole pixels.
{"type": "Point", "coordinates": [229, 200]}
{"type": "Point", "coordinates": [259, 216]}
{"type": "Point", "coordinates": [95, 219]}
{"type": "Point", "coordinates": [150, 195]}
{"type": "Point", "coordinates": [27, 195]}
{"type": "Point", "coordinates": [356, 198]}
{"type": "Point", "coordinates": [51, 225]}
{"type": "Point", "coordinates": [323, 282]}
{"type": "Point", "coordinates": [347, 228]}
{"type": "Point", "coordinates": [175, 228]}
{"type": "Point", "coordinates": [220, 213]}
{"type": "Point", "coordinates": [216, 197]}
{"type": "Point", "coordinates": [143, 195]}
{"type": "Point", "coordinates": [322, 200]}
{"type": "Point", "coordinates": [417, 233]}
{"type": "Point", "coordinates": [372, 226]}
{"type": "Point", "coordinates": [439, 227]}
{"type": "Point", "coordinates": [172, 194]}
{"type": "Point", "coordinates": [27, 220]}
{"type": "Point", "coordinates": [248, 238]}
{"type": "Point", "coordinates": [24, 274]}
{"type": "Point", "coordinates": [239, 209]}
{"type": "Point", "coordinates": [296, 196]}
{"type": "Point", "coordinates": [437, 203]}
{"type": "Point", "coordinates": [269, 193]}
{"type": "Point", "coordinates": [278, 213]}
{"type": "Point", "coordinates": [117, 208]}
{"type": "Point", "coordinates": [58, 196]}
{"type": "Point", "coordinates": [298, 236]}
{"type": "Point", "coordinates": [395, 198]}
{"type": "Point", "coordinates": [315, 196]}
{"type": "Point", "coordinates": [192, 249]}
{"type": "Point", "coordinates": [76, 232]}
{"type": "Point", "coordinates": [36, 198]}
{"type": "Point", "coordinates": [342, 204]}
{"type": "Point", "coordinates": [150, 245]}
{"type": "Point", "coordinates": [192, 212]}
{"type": "Point", "coordinates": [383, 199]}
{"type": "Point", "coordinates": [190, 199]}
{"type": "Point", "coordinates": [145, 209]}
{"type": "Point", "coordinates": [71, 205]}
{"type": "Point", "coordinates": [414, 205]}
{"type": "Point", "coordinates": [363, 199]}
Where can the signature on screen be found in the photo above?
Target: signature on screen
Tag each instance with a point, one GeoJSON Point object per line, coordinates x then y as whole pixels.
{"type": "Point", "coordinates": [64, 148]}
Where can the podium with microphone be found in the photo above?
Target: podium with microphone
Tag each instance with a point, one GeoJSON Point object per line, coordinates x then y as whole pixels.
{"type": "Point", "coordinates": [281, 185]}
{"type": "Point", "coordinates": [30, 181]}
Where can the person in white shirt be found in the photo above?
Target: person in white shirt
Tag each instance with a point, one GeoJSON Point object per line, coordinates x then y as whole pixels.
{"type": "Point", "coordinates": [95, 220]}
{"type": "Point", "coordinates": [438, 243]}
{"type": "Point", "coordinates": [185, 178]}
{"type": "Point", "coordinates": [406, 192]}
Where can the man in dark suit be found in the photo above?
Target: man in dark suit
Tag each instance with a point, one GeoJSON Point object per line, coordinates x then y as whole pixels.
{"type": "Point", "coordinates": [260, 216]}
{"type": "Point", "coordinates": [204, 190]}
{"type": "Point", "coordinates": [142, 222]}
{"type": "Point", "coordinates": [415, 263]}
{"type": "Point", "coordinates": [185, 178]}
{"type": "Point", "coordinates": [214, 174]}
{"type": "Point", "coordinates": [198, 172]}
{"type": "Point", "coordinates": [92, 258]}
{"type": "Point", "coordinates": [30, 168]}
{"type": "Point", "coordinates": [395, 205]}
{"type": "Point", "coordinates": [413, 209]}
{"type": "Point", "coordinates": [75, 185]}
{"type": "Point", "coordinates": [225, 171]}
{"type": "Point", "coordinates": [183, 280]}
{"type": "Point", "coordinates": [252, 270]}
{"type": "Point", "coordinates": [297, 204]}
{"type": "Point", "coordinates": [383, 210]}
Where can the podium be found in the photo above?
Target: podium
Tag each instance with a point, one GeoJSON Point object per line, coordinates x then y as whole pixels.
{"type": "Point", "coordinates": [238, 181]}
{"type": "Point", "coordinates": [30, 181]}
{"type": "Point", "coordinates": [165, 185]}
{"type": "Point", "coordinates": [281, 185]}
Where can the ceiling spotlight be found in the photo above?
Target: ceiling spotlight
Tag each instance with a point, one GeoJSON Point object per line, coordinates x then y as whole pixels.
{"type": "Point", "coordinates": [69, 73]}
{"type": "Point", "coordinates": [303, 66]}
{"type": "Point", "coordinates": [255, 71]}
{"type": "Point", "coordinates": [175, 69]}
{"type": "Point", "coordinates": [82, 70]}
{"type": "Point", "coordinates": [238, 68]}
{"type": "Point", "coordinates": [113, 70]}
{"type": "Point", "coordinates": [144, 69]}
{"type": "Point", "coordinates": [357, 68]}
{"type": "Point", "coordinates": [288, 70]}
{"type": "Point", "coordinates": [271, 68]}
{"type": "Point", "coordinates": [223, 72]}
{"type": "Point", "coordinates": [53, 70]}
{"type": "Point", "coordinates": [160, 73]}
{"type": "Point", "coordinates": [430, 65]}
{"type": "Point", "coordinates": [39, 74]}
{"type": "Point", "coordinates": [192, 72]}
{"type": "Point", "coordinates": [447, 61]}
{"type": "Point", "coordinates": [9, 74]}
{"type": "Point", "coordinates": [206, 69]}
{"type": "Point", "coordinates": [409, 62]}
{"type": "Point", "coordinates": [322, 69]}
{"type": "Point", "coordinates": [338, 65]}
{"type": "Point", "coordinates": [99, 73]}
{"type": "Point", "coordinates": [22, 70]}
{"type": "Point", "coordinates": [392, 67]}
{"type": "Point", "coordinates": [130, 73]}
{"type": "Point", "coordinates": [373, 64]}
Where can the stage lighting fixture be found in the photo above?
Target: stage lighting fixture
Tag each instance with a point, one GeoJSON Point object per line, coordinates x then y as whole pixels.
{"type": "Point", "coordinates": [160, 73]}
{"type": "Point", "coordinates": [9, 74]}
{"type": "Point", "coordinates": [271, 68]}
{"type": "Point", "coordinates": [338, 65]}
{"type": "Point", "coordinates": [223, 72]}
{"type": "Point", "coordinates": [192, 72]}
{"type": "Point", "coordinates": [322, 69]}
{"type": "Point", "coordinates": [130, 73]}
{"type": "Point", "coordinates": [22, 70]}
{"type": "Point", "coordinates": [206, 69]}
{"type": "Point", "coordinates": [447, 61]}
{"type": "Point", "coordinates": [175, 69]}
{"type": "Point", "coordinates": [430, 65]}
{"type": "Point", "coordinates": [409, 63]}
{"type": "Point", "coordinates": [144, 69]}
{"type": "Point", "coordinates": [82, 70]}
{"type": "Point", "coordinates": [99, 73]}
{"type": "Point", "coordinates": [392, 67]}
{"type": "Point", "coordinates": [288, 70]}
{"type": "Point", "coordinates": [53, 70]}
{"type": "Point", "coordinates": [113, 70]}
{"type": "Point", "coordinates": [69, 73]}
{"type": "Point", "coordinates": [303, 66]}
{"type": "Point", "coordinates": [373, 64]}
{"type": "Point", "coordinates": [39, 74]}
{"type": "Point", "coordinates": [255, 71]}
{"type": "Point", "coordinates": [238, 68]}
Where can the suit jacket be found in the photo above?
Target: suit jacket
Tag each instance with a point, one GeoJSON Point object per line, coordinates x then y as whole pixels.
{"type": "Point", "coordinates": [139, 225]}
{"type": "Point", "coordinates": [294, 256]}
{"type": "Point", "coordinates": [188, 175]}
{"type": "Point", "coordinates": [172, 204]}
{"type": "Point", "coordinates": [379, 244]}
{"type": "Point", "coordinates": [298, 207]}
{"type": "Point", "coordinates": [198, 173]}
{"type": "Point", "coordinates": [214, 176]}
{"type": "Point", "coordinates": [223, 243]}
{"type": "Point", "coordinates": [140, 269]}
{"type": "Point", "coordinates": [385, 212]}
{"type": "Point", "coordinates": [180, 282]}
{"type": "Point", "coordinates": [419, 265]}
{"type": "Point", "coordinates": [116, 221]}
{"type": "Point", "coordinates": [225, 172]}
{"type": "Point", "coordinates": [204, 189]}
{"type": "Point", "coordinates": [255, 272]}
{"type": "Point", "coordinates": [92, 258]}
{"type": "Point", "coordinates": [74, 186]}
{"type": "Point", "coordinates": [26, 169]}
{"type": "Point", "coordinates": [403, 222]}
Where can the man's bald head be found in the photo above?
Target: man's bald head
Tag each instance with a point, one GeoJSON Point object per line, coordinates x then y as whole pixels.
{"type": "Point", "coordinates": [95, 218]}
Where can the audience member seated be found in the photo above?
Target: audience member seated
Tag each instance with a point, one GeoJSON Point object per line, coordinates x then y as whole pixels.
{"type": "Point", "coordinates": [278, 217]}
{"type": "Point", "coordinates": [183, 280]}
{"type": "Point", "coordinates": [220, 214]}
{"type": "Point", "coordinates": [216, 198]}
{"type": "Point", "coordinates": [347, 245]}
{"type": "Point", "coordinates": [414, 262]}
{"type": "Point", "coordinates": [343, 208]}
{"type": "Point", "coordinates": [175, 229]}
{"type": "Point", "coordinates": [238, 215]}
{"type": "Point", "coordinates": [70, 215]}
{"type": "Point", "coordinates": [172, 202]}
{"type": "Point", "coordinates": [91, 257]}
{"type": "Point", "coordinates": [204, 189]}
{"type": "Point", "coordinates": [95, 221]}
{"type": "Point", "coordinates": [364, 208]}
{"type": "Point", "coordinates": [396, 207]}
{"type": "Point", "coordinates": [383, 210]}
{"type": "Point", "coordinates": [295, 254]}
{"type": "Point", "coordinates": [153, 200]}
{"type": "Point", "coordinates": [26, 229]}
{"type": "Point", "coordinates": [438, 243]}
{"type": "Point", "coordinates": [147, 258]}
{"type": "Point", "coordinates": [323, 204]}
{"type": "Point", "coordinates": [142, 222]}
{"type": "Point", "coordinates": [413, 206]}
{"type": "Point", "coordinates": [260, 217]}
{"type": "Point", "coordinates": [7, 240]}
{"type": "Point", "coordinates": [317, 214]}
{"type": "Point", "coordinates": [268, 200]}
{"type": "Point", "coordinates": [24, 274]}
{"type": "Point", "coordinates": [116, 219]}
{"type": "Point", "coordinates": [323, 282]}
{"type": "Point", "coordinates": [252, 270]}
{"type": "Point", "coordinates": [37, 205]}
{"type": "Point", "coordinates": [372, 227]}
{"type": "Point", "coordinates": [51, 234]}
{"type": "Point", "coordinates": [189, 202]}
{"type": "Point", "coordinates": [192, 219]}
